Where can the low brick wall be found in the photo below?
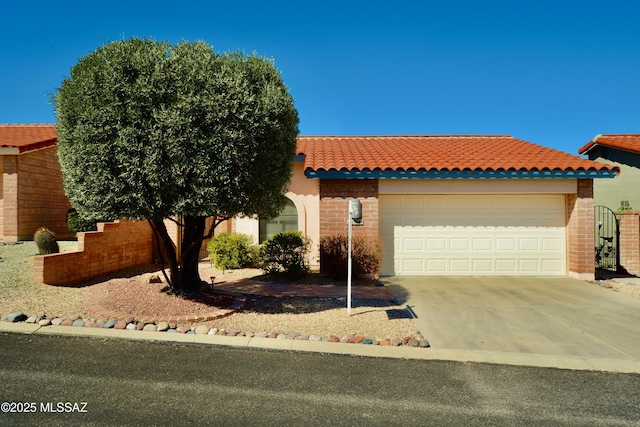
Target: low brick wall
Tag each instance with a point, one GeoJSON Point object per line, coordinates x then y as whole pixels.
{"type": "Point", "coordinates": [630, 241]}
{"type": "Point", "coordinates": [114, 247]}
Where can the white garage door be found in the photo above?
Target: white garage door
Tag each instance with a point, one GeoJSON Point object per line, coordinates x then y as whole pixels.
{"type": "Point", "coordinates": [473, 235]}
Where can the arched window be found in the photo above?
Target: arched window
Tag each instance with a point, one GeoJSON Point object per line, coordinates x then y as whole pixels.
{"type": "Point", "coordinates": [287, 220]}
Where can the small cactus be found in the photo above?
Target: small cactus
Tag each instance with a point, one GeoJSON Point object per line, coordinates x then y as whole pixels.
{"type": "Point", "coordinates": [46, 241]}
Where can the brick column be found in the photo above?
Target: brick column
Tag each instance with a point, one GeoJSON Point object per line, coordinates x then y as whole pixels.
{"type": "Point", "coordinates": [580, 240]}
{"type": "Point", "coordinates": [9, 198]}
{"type": "Point", "coordinates": [630, 242]}
{"type": "Point", "coordinates": [334, 206]}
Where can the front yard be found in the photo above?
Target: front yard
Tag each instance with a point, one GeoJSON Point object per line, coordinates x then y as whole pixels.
{"type": "Point", "coordinates": [271, 314]}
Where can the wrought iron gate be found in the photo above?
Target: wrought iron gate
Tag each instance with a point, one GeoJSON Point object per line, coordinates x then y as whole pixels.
{"type": "Point", "coordinates": [607, 238]}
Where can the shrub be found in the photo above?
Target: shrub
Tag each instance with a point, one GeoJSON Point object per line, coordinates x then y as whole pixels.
{"type": "Point", "coordinates": [229, 251]}
{"type": "Point", "coordinates": [46, 241]}
{"type": "Point", "coordinates": [366, 254]}
{"type": "Point", "coordinates": [286, 253]}
{"type": "Point", "coordinates": [76, 223]}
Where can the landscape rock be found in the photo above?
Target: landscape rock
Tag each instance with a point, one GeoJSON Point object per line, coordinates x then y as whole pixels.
{"type": "Point", "coordinates": [315, 338]}
{"type": "Point", "coordinates": [56, 321]}
{"type": "Point", "coordinates": [149, 327]}
{"type": "Point", "coordinates": [162, 326]}
{"type": "Point", "coordinates": [202, 330]}
{"type": "Point", "coordinates": [262, 335]}
{"type": "Point", "coordinates": [67, 322]}
{"type": "Point", "coordinates": [110, 324]}
{"type": "Point", "coordinates": [212, 331]}
{"type": "Point", "coordinates": [78, 323]}
{"type": "Point", "coordinates": [131, 326]}
{"type": "Point", "coordinates": [121, 324]}
{"type": "Point", "coordinates": [18, 316]}
{"type": "Point", "coordinates": [31, 319]}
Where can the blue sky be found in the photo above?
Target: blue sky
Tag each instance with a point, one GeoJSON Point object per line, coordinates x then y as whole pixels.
{"type": "Point", "coordinates": [555, 73]}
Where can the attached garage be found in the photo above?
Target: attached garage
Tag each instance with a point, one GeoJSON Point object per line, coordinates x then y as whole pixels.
{"type": "Point", "coordinates": [478, 235]}
{"type": "Point", "coordinates": [460, 205]}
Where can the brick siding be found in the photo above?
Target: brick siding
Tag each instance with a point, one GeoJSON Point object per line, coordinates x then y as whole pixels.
{"type": "Point", "coordinates": [580, 240]}
{"type": "Point", "coordinates": [334, 206]}
{"type": "Point", "coordinates": [114, 247]}
{"type": "Point", "coordinates": [629, 249]}
{"type": "Point", "coordinates": [33, 195]}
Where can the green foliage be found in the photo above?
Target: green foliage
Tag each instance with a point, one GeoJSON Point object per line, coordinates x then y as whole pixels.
{"type": "Point", "coordinates": [151, 130]}
{"type": "Point", "coordinates": [46, 241]}
{"type": "Point", "coordinates": [77, 224]}
{"type": "Point", "coordinates": [229, 251]}
{"type": "Point", "coordinates": [366, 254]}
{"type": "Point", "coordinates": [286, 253]}
{"type": "Point", "coordinates": [147, 129]}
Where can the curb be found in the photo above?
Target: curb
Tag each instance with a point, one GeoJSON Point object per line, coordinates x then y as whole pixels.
{"type": "Point", "coordinates": [400, 352]}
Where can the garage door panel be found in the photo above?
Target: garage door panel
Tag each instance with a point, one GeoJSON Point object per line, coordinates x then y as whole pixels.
{"type": "Point", "coordinates": [436, 244]}
{"type": "Point", "coordinates": [473, 235]}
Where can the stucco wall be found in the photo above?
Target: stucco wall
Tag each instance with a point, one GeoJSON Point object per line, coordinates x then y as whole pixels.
{"type": "Point", "coordinates": [305, 195]}
{"type": "Point", "coordinates": [610, 192]}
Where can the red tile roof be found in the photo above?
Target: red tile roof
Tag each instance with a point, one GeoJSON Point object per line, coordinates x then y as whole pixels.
{"type": "Point", "coordinates": [628, 142]}
{"type": "Point", "coordinates": [27, 137]}
{"type": "Point", "coordinates": [436, 153]}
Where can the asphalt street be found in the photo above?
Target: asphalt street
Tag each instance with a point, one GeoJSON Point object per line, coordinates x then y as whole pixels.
{"type": "Point", "coordinates": [58, 380]}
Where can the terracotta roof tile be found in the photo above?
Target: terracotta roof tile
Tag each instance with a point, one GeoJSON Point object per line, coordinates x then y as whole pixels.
{"type": "Point", "coordinates": [626, 141]}
{"type": "Point", "coordinates": [27, 137]}
{"type": "Point", "coordinates": [437, 153]}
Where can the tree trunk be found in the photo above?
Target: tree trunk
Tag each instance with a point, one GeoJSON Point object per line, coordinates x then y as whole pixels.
{"type": "Point", "coordinates": [183, 268]}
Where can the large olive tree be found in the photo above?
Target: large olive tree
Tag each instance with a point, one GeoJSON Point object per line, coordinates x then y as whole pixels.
{"type": "Point", "coordinates": [150, 130]}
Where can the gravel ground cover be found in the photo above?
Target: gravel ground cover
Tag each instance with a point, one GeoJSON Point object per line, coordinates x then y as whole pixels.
{"type": "Point", "coordinates": [128, 293]}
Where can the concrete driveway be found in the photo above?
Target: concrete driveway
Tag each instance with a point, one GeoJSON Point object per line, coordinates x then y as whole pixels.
{"type": "Point", "coordinates": [561, 317]}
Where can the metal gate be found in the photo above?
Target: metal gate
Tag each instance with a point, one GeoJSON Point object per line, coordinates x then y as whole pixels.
{"type": "Point", "coordinates": [607, 239]}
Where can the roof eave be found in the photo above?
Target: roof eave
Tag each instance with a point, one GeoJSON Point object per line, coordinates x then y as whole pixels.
{"type": "Point", "coordinates": [462, 174]}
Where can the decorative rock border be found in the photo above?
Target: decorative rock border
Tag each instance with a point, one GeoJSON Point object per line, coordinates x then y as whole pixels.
{"type": "Point", "coordinates": [172, 326]}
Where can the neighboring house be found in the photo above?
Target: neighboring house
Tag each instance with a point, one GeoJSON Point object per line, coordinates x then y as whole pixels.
{"type": "Point", "coordinates": [480, 205]}
{"type": "Point", "coordinates": [31, 194]}
{"type": "Point", "coordinates": [623, 151]}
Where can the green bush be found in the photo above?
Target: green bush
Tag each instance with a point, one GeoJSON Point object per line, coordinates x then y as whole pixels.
{"type": "Point", "coordinates": [76, 223]}
{"type": "Point", "coordinates": [229, 251]}
{"type": "Point", "coordinates": [286, 254]}
{"type": "Point", "coordinates": [46, 241]}
{"type": "Point", "coordinates": [366, 254]}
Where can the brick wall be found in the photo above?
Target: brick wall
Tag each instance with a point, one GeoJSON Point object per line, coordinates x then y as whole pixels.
{"type": "Point", "coordinates": [334, 206]}
{"type": "Point", "coordinates": [580, 239]}
{"type": "Point", "coordinates": [629, 249]}
{"type": "Point", "coordinates": [114, 247]}
{"type": "Point", "coordinates": [32, 195]}
{"type": "Point", "coordinates": [41, 198]}
{"type": "Point", "coordinates": [9, 198]}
